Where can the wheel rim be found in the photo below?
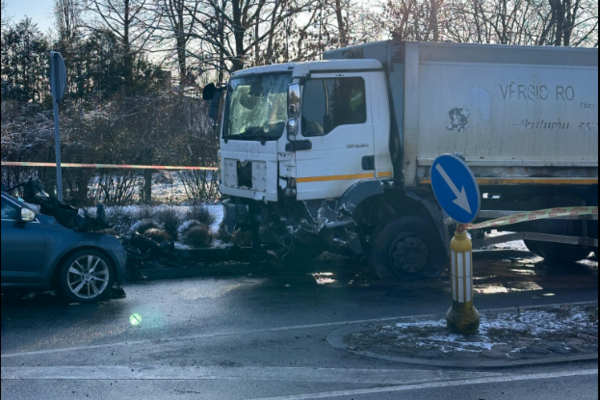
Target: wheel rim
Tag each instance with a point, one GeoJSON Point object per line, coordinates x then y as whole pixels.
{"type": "Point", "coordinates": [409, 254]}
{"type": "Point", "coordinates": [88, 277]}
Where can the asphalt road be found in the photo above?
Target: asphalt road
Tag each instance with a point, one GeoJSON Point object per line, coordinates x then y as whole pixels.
{"type": "Point", "coordinates": [243, 332]}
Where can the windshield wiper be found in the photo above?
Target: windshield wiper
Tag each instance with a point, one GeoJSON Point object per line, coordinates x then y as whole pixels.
{"type": "Point", "coordinates": [263, 137]}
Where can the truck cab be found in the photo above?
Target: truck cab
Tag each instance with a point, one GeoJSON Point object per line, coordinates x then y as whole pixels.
{"type": "Point", "coordinates": [334, 133]}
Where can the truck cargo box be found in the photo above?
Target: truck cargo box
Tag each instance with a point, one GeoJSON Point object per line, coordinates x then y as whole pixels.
{"type": "Point", "coordinates": [520, 115]}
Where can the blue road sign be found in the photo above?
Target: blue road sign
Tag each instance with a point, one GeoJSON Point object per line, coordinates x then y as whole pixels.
{"type": "Point", "coordinates": [456, 188]}
{"type": "Point", "coordinates": [58, 76]}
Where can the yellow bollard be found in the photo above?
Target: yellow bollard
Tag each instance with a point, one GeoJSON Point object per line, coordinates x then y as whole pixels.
{"type": "Point", "coordinates": [463, 317]}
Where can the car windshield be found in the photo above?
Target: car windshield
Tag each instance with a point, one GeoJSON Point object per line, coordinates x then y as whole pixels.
{"type": "Point", "coordinates": [257, 108]}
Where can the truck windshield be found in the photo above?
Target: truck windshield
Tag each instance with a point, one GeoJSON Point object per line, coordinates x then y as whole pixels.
{"type": "Point", "coordinates": [257, 108]}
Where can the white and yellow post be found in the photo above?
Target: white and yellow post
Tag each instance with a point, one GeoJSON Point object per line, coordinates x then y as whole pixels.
{"type": "Point", "coordinates": [463, 317]}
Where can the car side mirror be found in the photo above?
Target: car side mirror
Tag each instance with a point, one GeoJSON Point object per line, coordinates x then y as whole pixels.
{"type": "Point", "coordinates": [27, 215]}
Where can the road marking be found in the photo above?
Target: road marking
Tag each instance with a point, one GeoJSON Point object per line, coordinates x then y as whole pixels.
{"type": "Point", "coordinates": [253, 374]}
{"type": "Point", "coordinates": [257, 331]}
{"type": "Point", "coordinates": [435, 385]}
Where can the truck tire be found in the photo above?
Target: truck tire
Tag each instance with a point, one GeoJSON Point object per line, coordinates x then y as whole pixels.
{"type": "Point", "coordinates": [534, 248]}
{"type": "Point", "coordinates": [560, 254]}
{"type": "Point", "coordinates": [557, 253]}
{"type": "Point", "coordinates": [406, 249]}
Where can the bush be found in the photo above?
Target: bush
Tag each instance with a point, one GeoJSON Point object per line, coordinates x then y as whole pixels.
{"type": "Point", "coordinates": [223, 235]}
{"type": "Point", "coordinates": [198, 236]}
{"type": "Point", "coordinates": [242, 238]}
{"type": "Point", "coordinates": [201, 214]}
{"type": "Point", "coordinates": [158, 235]}
{"type": "Point", "coordinates": [120, 219]}
{"type": "Point", "coordinates": [145, 213]}
{"type": "Point", "coordinates": [186, 226]}
{"type": "Point", "coordinates": [169, 219]}
{"type": "Point", "coordinates": [142, 226]}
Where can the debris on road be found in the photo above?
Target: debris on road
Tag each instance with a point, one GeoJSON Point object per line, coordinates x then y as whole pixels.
{"type": "Point", "coordinates": [522, 335]}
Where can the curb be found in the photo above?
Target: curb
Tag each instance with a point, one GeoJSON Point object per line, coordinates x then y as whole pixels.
{"type": "Point", "coordinates": [336, 339]}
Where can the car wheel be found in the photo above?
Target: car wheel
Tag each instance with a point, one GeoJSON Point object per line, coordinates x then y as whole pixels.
{"type": "Point", "coordinates": [87, 276]}
{"type": "Point", "coordinates": [406, 249]}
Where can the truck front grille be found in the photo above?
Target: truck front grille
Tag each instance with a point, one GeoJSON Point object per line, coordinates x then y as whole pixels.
{"type": "Point", "coordinates": [244, 173]}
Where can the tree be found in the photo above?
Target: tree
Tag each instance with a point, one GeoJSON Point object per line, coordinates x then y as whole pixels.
{"type": "Point", "coordinates": [573, 22]}
{"type": "Point", "coordinates": [5, 18]}
{"type": "Point", "coordinates": [240, 33]}
{"type": "Point", "coordinates": [68, 14]}
{"type": "Point", "coordinates": [128, 21]}
{"type": "Point", "coordinates": [176, 26]}
{"type": "Point", "coordinates": [25, 63]}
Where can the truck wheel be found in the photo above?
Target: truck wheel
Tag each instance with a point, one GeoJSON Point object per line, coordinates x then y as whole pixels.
{"type": "Point", "coordinates": [557, 253]}
{"type": "Point", "coordinates": [534, 248]}
{"type": "Point", "coordinates": [87, 276]}
{"type": "Point", "coordinates": [406, 249]}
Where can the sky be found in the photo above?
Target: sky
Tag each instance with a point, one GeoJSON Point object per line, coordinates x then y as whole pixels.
{"type": "Point", "coordinates": [38, 10]}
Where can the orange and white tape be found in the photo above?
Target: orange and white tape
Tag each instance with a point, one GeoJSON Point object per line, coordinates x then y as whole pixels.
{"type": "Point", "coordinates": [551, 213]}
{"type": "Point", "coordinates": [105, 166]}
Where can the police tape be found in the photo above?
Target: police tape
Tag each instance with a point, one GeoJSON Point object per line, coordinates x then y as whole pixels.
{"type": "Point", "coordinates": [551, 213]}
{"type": "Point", "coordinates": [106, 166]}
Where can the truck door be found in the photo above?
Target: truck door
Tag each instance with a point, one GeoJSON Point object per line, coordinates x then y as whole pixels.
{"type": "Point", "coordinates": [337, 119]}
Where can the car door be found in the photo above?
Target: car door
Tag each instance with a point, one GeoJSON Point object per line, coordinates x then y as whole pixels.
{"type": "Point", "coordinates": [337, 120]}
{"type": "Point", "coordinates": [23, 245]}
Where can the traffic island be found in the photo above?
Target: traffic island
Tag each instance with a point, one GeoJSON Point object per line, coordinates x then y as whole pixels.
{"type": "Point", "coordinates": [523, 337]}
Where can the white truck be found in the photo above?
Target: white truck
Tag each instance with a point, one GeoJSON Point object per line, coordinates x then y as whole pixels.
{"type": "Point", "coordinates": [337, 154]}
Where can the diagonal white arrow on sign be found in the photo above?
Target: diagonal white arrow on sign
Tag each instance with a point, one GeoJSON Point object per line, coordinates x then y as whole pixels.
{"type": "Point", "coordinates": [461, 195]}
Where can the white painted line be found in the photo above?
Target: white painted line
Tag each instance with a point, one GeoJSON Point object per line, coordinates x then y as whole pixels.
{"type": "Point", "coordinates": [461, 278]}
{"type": "Point", "coordinates": [281, 329]}
{"type": "Point", "coordinates": [254, 373]}
{"type": "Point", "coordinates": [434, 385]}
{"type": "Point", "coordinates": [454, 277]}
{"type": "Point", "coordinates": [469, 273]}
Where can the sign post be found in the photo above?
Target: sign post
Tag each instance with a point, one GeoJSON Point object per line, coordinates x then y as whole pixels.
{"type": "Point", "coordinates": [458, 193]}
{"type": "Point", "coordinates": [58, 85]}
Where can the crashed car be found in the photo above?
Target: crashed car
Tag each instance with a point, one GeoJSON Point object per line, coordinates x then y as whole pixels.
{"type": "Point", "coordinates": [40, 253]}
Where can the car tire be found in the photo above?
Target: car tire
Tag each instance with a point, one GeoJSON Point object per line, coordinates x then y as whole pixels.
{"type": "Point", "coordinates": [406, 249]}
{"type": "Point", "coordinates": [87, 276]}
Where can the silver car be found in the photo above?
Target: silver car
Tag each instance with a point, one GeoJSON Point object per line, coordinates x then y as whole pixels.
{"type": "Point", "coordinates": [39, 253]}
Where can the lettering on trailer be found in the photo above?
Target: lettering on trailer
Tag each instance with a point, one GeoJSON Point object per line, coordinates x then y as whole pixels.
{"type": "Point", "coordinates": [513, 91]}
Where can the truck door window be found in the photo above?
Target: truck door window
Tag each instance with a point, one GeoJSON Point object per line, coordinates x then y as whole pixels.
{"type": "Point", "coordinates": [329, 103]}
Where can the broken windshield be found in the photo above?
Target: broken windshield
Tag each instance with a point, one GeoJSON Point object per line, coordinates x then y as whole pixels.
{"type": "Point", "coordinates": [257, 108]}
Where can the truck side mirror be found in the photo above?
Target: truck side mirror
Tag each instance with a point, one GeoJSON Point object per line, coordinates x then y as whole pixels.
{"type": "Point", "coordinates": [213, 111]}
{"type": "Point", "coordinates": [294, 96]}
{"type": "Point", "coordinates": [209, 92]}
